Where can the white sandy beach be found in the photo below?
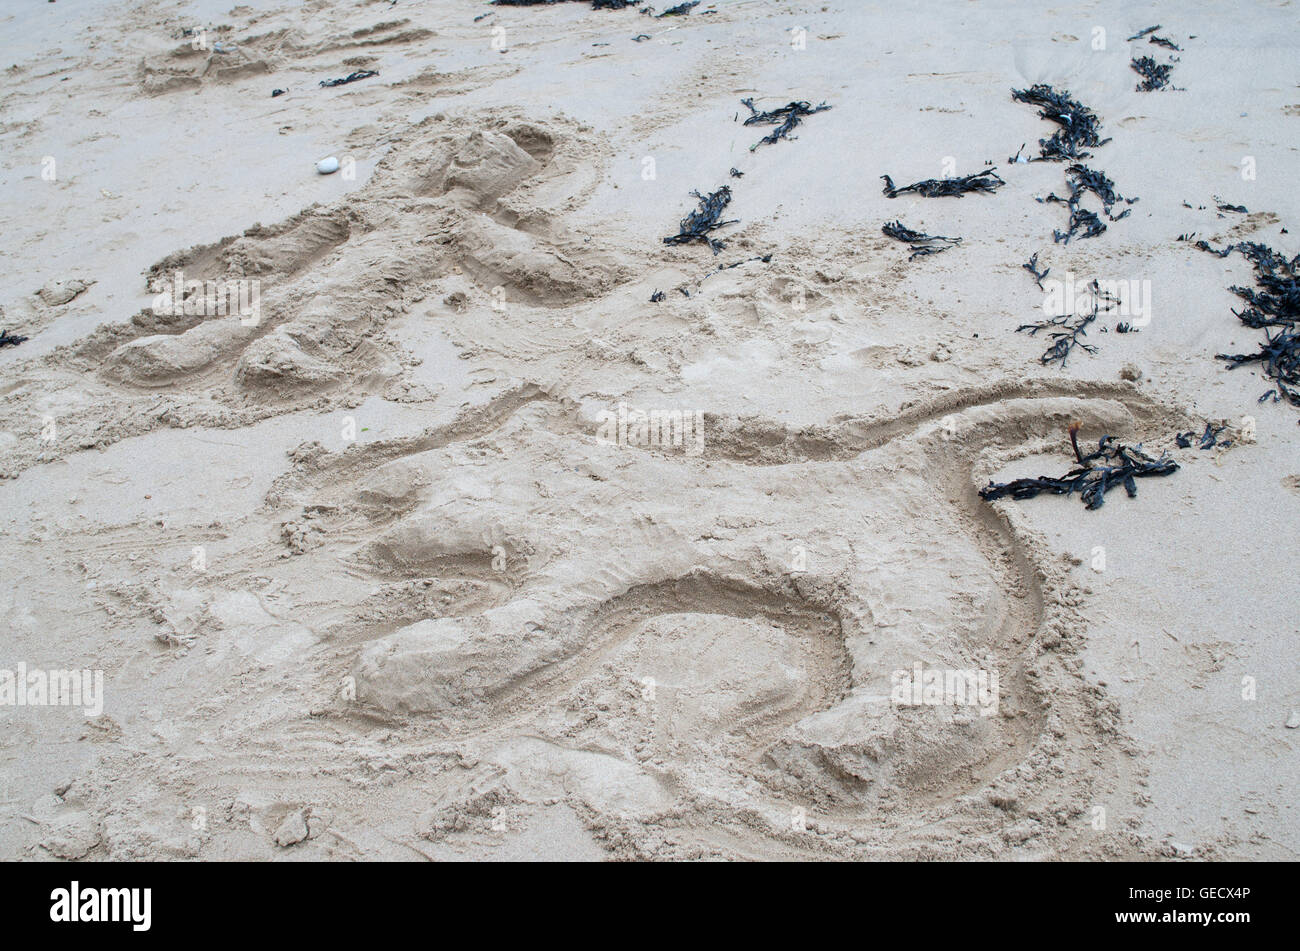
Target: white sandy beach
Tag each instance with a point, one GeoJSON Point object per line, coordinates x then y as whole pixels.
{"type": "Point", "coordinates": [365, 576]}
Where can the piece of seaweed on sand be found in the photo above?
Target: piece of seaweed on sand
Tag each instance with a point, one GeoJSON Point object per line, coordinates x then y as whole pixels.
{"type": "Point", "coordinates": [1272, 306]}
{"type": "Point", "coordinates": [682, 9]}
{"type": "Point", "coordinates": [1112, 464]}
{"type": "Point", "coordinates": [1141, 33]}
{"type": "Point", "coordinates": [1154, 75]}
{"type": "Point", "coordinates": [10, 340]}
{"type": "Point", "coordinates": [785, 119]}
{"type": "Point", "coordinates": [922, 244]}
{"type": "Point", "coordinates": [1067, 331]}
{"type": "Point", "coordinates": [986, 181]}
{"type": "Point", "coordinates": [1032, 267]}
{"type": "Point", "coordinates": [350, 77]}
{"type": "Point", "coordinates": [704, 219]}
{"type": "Point", "coordinates": [1079, 126]}
{"type": "Point", "coordinates": [1280, 354]}
{"type": "Point", "coordinates": [1082, 179]}
{"type": "Point", "coordinates": [1223, 253]}
{"type": "Point", "coordinates": [1208, 439]}
{"type": "Point", "coordinates": [1085, 223]}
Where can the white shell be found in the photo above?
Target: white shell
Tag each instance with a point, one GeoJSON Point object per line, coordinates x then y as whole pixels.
{"type": "Point", "coordinates": [327, 166]}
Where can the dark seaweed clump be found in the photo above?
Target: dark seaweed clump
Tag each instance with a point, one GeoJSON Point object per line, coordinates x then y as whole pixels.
{"type": "Point", "coordinates": [1208, 439]}
{"type": "Point", "coordinates": [1068, 330]}
{"type": "Point", "coordinates": [704, 219]}
{"type": "Point", "coordinates": [350, 77]}
{"type": "Point", "coordinates": [922, 244]}
{"type": "Point", "coordinates": [1272, 306]}
{"type": "Point", "coordinates": [682, 9]}
{"type": "Point", "coordinates": [785, 119]}
{"type": "Point", "coordinates": [1154, 75]}
{"type": "Point", "coordinates": [1079, 126]}
{"type": "Point", "coordinates": [10, 340]}
{"type": "Point", "coordinates": [1221, 205]}
{"type": "Point", "coordinates": [1083, 222]}
{"type": "Point", "coordinates": [985, 181]}
{"type": "Point", "coordinates": [1112, 464]}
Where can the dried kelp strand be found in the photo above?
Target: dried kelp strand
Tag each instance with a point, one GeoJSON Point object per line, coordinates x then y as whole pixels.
{"type": "Point", "coordinates": [704, 219]}
{"type": "Point", "coordinates": [986, 181]}
{"type": "Point", "coordinates": [1032, 267]}
{"type": "Point", "coordinates": [1112, 464]}
{"type": "Point", "coordinates": [785, 119]}
{"type": "Point", "coordinates": [922, 244]}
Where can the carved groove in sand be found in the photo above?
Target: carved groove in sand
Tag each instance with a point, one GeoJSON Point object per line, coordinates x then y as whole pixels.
{"type": "Point", "coordinates": [449, 196]}
{"type": "Point", "coordinates": [477, 201]}
{"type": "Point", "coordinates": [225, 54]}
{"type": "Point", "coordinates": [706, 674]}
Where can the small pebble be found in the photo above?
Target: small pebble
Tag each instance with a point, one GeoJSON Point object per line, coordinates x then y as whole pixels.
{"type": "Point", "coordinates": [328, 166]}
{"type": "Point", "coordinates": [292, 830]}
